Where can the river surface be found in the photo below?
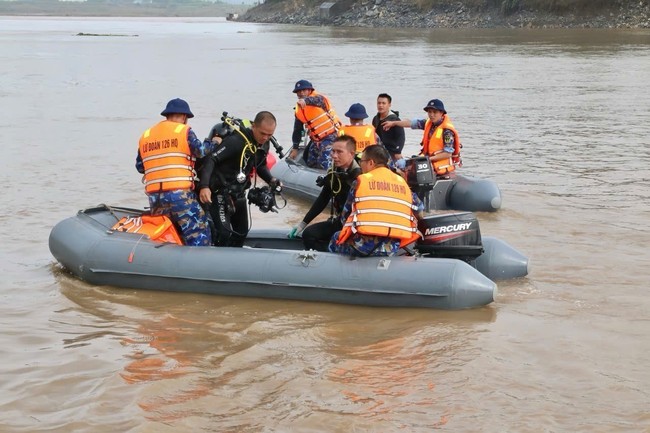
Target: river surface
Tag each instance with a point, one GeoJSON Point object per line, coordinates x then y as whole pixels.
{"type": "Point", "coordinates": [558, 118]}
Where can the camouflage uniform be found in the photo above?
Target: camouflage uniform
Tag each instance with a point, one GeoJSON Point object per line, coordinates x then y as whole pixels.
{"type": "Point", "coordinates": [318, 153]}
{"type": "Point", "coordinates": [182, 205]}
{"type": "Point", "coordinates": [364, 246]}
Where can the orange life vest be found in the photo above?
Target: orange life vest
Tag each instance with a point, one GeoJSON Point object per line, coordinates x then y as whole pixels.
{"type": "Point", "coordinates": [168, 162]}
{"type": "Point", "coordinates": [158, 228]}
{"type": "Point", "coordinates": [433, 144]}
{"type": "Point", "coordinates": [320, 123]}
{"type": "Point", "coordinates": [383, 206]}
{"type": "Point", "coordinates": [363, 134]}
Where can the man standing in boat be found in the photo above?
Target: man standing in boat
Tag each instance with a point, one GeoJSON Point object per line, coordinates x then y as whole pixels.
{"type": "Point", "coordinates": [166, 156]}
{"type": "Point", "coordinates": [380, 213]}
{"type": "Point", "coordinates": [440, 141]}
{"type": "Point", "coordinates": [392, 139]}
{"type": "Point", "coordinates": [335, 187]}
{"type": "Point", "coordinates": [364, 135]}
{"type": "Point", "coordinates": [314, 112]}
{"type": "Point", "coordinates": [226, 175]}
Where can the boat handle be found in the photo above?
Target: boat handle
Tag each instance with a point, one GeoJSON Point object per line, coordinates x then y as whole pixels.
{"type": "Point", "coordinates": [306, 256]}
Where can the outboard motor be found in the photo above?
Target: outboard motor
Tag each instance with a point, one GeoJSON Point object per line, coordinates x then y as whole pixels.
{"type": "Point", "coordinates": [419, 175]}
{"type": "Point", "coordinates": [433, 191]}
{"type": "Point", "coordinates": [454, 235]}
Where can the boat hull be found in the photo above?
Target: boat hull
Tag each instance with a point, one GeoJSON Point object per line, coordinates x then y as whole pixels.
{"type": "Point", "coordinates": [89, 249]}
{"type": "Point", "coordinates": [459, 192]}
{"type": "Point", "coordinates": [499, 261]}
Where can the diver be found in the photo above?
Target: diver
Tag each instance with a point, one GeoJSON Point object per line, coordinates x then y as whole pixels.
{"type": "Point", "coordinates": [226, 174]}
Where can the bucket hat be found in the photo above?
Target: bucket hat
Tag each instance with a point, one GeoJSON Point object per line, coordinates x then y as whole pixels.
{"type": "Point", "coordinates": [177, 106]}
{"type": "Point", "coordinates": [301, 85]}
{"type": "Point", "coordinates": [435, 104]}
{"type": "Point", "coordinates": [357, 111]}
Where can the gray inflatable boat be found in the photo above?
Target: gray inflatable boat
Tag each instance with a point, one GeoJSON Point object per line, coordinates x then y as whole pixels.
{"type": "Point", "coordinates": [457, 192]}
{"type": "Point", "coordinates": [272, 266]}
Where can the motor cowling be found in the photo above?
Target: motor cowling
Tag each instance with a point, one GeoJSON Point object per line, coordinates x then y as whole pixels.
{"type": "Point", "coordinates": [419, 174]}
{"type": "Point", "coordinates": [455, 235]}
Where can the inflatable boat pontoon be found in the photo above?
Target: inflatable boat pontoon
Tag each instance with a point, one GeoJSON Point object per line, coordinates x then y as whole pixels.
{"type": "Point", "coordinates": [272, 266]}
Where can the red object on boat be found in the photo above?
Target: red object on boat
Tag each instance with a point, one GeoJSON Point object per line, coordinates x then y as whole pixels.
{"type": "Point", "coordinates": [270, 162]}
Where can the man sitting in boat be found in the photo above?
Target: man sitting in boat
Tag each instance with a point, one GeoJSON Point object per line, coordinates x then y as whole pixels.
{"type": "Point", "coordinates": [364, 135]}
{"type": "Point", "coordinates": [166, 155]}
{"type": "Point", "coordinates": [335, 187]}
{"type": "Point", "coordinates": [226, 175]}
{"type": "Point", "coordinates": [381, 211]}
{"type": "Point", "coordinates": [440, 141]}
{"type": "Point", "coordinates": [314, 112]}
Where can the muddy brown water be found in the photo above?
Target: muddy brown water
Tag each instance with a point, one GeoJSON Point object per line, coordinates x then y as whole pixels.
{"type": "Point", "coordinates": [558, 118]}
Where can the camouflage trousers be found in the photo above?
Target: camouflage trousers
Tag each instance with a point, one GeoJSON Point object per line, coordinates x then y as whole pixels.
{"type": "Point", "coordinates": [364, 246]}
{"type": "Point", "coordinates": [318, 153]}
{"type": "Point", "coordinates": [183, 208]}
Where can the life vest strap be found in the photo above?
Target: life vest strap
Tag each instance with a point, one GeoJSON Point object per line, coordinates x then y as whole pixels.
{"type": "Point", "coordinates": [322, 135]}
{"type": "Point", "coordinates": [387, 212]}
{"type": "Point", "coordinates": [169, 155]}
{"type": "Point", "coordinates": [353, 225]}
{"type": "Point", "coordinates": [164, 167]}
{"type": "Point", "coordinates": [171, 179]}
{"type": "Point", "coordinates": [382, 198]}
{"type": "Point", "coordinates": [328, 119]}
{"type": "Point", "coordinates": [318, 125]}
{"type": "Point", "coordinates": [328, 116]}
{"type": "Point", "coordinates": [309, 122]}
{"type": "Point", "coordinates": [158, 228]}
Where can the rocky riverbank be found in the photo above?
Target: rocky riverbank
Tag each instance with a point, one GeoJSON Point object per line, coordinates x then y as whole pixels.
{"type": "Point", "coordinates": [402, 13]}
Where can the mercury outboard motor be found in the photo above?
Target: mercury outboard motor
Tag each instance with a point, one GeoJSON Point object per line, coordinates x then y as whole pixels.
{"type": "Point", "coordinates": [455, 235]}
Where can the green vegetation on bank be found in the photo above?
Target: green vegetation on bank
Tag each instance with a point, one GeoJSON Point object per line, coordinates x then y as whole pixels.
{"type": "Point", "coordinates": [121, 8]}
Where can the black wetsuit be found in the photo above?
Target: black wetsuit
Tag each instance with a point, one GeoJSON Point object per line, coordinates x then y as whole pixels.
{"type": "Point", "coordinates": [219, 172]}
{"type": "Point", "coordinates": [335, 190]}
